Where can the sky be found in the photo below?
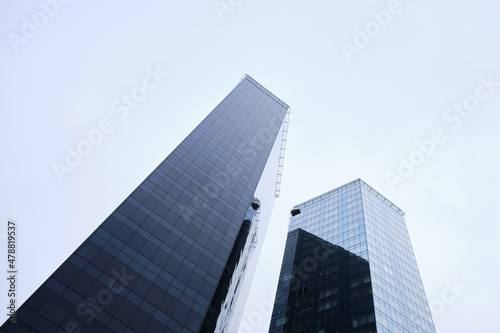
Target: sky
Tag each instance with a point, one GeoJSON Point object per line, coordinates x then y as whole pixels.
{"type": "Point", "coordinates": [403, 94]}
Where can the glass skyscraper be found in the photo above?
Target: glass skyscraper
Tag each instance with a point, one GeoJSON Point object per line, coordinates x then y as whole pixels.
{"type": "Point", "coordinates": [173, 256]}
{"type": "Point", "coordinates": [349, 267]}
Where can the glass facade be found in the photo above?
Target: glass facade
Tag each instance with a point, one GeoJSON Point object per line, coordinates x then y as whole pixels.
{"type": "Point", "coordinates": [361, 221]}
{"type": "Point", "coordinates": [323, 288]}
{"type": "Point", "coordinates": [171, 256]}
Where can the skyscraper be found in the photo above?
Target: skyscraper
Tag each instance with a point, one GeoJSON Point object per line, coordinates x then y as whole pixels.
{"type": "Point", "coordinates": [349, 267]}
{"type": "Point", "coordinates": [173, 256]}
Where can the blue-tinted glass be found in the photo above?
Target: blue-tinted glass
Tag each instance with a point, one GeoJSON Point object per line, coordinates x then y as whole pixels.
{"type": "Point", "coordinates": [362, 222]}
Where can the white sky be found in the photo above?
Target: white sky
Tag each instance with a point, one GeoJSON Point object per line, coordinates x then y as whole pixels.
{"type": "Point", "coordinates": [349, 120]}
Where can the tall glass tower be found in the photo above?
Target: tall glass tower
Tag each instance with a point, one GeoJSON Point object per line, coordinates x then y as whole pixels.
{"type": "Point", "coordinates": [173, 256]}
{"type": "Point", "coordinates": [349, 267]}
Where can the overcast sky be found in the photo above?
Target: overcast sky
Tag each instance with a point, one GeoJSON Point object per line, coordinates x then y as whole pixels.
{"type": "Point", "coordinates": [403, 94]}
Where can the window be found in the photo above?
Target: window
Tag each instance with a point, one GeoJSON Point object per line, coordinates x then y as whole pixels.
{"type": "Point", "coordinates": [281, 321]}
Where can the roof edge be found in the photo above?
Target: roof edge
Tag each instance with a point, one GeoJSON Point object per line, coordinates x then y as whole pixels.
{"type": "Point", "coordinates": [344, 188]}
{"type": "Point", "coordinates": [265, 90]}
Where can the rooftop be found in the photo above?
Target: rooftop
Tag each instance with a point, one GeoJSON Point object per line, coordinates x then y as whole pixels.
{"type": "Point", "coordinates": [345, 187]}
{"type": "Point", "coordinates": [267, 92]}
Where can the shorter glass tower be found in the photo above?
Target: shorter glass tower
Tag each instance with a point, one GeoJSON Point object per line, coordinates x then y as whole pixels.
{"type": "Point", "coordinates": [349, 267]}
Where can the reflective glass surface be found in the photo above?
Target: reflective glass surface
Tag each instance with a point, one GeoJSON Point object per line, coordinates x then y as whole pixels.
{"type": "Point", "coordinates": [399, 296]}
{"type": "Point", "coordinates": [166, 259]}
{"type": "Point", "coordinates": [360, 220]}
{"type": "Point", "coordinates": [322, 288]}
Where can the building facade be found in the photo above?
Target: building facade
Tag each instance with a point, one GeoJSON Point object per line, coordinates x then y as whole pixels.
{"type": "Point", "coordinates": [379, 291]}
{"type": "Point", "coordinates": [174, 255]}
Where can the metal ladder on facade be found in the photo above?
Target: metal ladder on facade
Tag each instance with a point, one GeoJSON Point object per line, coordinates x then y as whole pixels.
{"type": "Point", "coordinates": [282, 154]}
